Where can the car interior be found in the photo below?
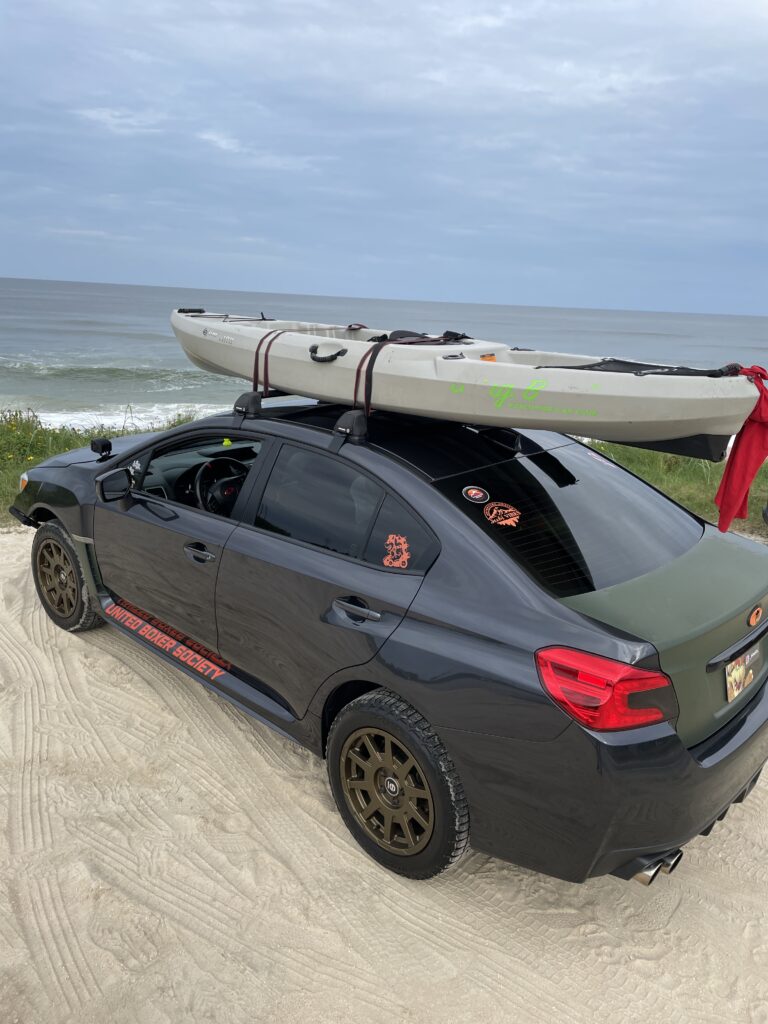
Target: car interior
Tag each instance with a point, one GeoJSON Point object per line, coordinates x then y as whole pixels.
{"type": "Point", "coordinates": [208, 476]}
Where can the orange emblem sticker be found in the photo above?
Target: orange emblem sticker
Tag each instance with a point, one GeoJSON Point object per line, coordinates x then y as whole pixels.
{"type": "Point", "coordinates": [501, 514]}
{"type": "Point", "coordinates": [398, 553]}
{"type": "Point", "coordinates": [755, 616]}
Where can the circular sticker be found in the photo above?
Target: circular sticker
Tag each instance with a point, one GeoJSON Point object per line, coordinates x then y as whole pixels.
{"type": "Point", "coordinates": [501, 514]}
{"type": "Point", "coordinates": [476, 494]}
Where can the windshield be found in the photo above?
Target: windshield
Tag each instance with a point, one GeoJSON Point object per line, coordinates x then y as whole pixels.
{"type": "Point", "coordinates": [574, 520]}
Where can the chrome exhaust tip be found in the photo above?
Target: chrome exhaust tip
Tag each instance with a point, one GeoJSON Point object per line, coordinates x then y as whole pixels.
{"type": "Point", "coordinates": [670, 862]}
{"type": "Point", "coordinates": [649, 873]}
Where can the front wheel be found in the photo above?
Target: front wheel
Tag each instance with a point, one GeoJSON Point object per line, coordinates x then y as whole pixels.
{"type": "Point", "coordinates": [60, 582]}
{"type": "Point", "coordinates": [396, 787]}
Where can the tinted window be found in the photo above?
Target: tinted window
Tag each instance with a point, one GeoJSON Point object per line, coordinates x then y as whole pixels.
{"type": "Point", "coordinates": [398, 540]}
{"type": "Point", "coordinates": [573, 519]}
{"type": "Point", "coordinates": [319, 500]}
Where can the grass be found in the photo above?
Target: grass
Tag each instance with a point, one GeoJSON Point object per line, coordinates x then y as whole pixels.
{"type": "Point", "coordinates": [691, 482]}
{"type": "Point", "coordinates": [24, 442]}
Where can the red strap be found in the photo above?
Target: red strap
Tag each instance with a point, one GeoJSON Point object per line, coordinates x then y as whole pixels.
{"type": "Point", "coordinates": [256, 359]}
{"type": "Point", "coordinates": [359, 372]}
{"type": "Point", "coordinates": [748, 453]}
{"type": "Point", "coordinates": [269, 345]}
{"type": "Point", "coordinates": [755, 372]}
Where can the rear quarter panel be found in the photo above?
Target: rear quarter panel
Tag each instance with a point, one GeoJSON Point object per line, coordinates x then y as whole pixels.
{"type": "Point", "coordinates": [464, 653]}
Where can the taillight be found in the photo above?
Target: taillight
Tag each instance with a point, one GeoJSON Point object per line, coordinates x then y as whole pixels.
{"type": "Point", "coordinates": [603, 694]}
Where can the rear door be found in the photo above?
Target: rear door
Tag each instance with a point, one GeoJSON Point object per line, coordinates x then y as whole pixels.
{"type": "Point", "coordinates": [320, 575]}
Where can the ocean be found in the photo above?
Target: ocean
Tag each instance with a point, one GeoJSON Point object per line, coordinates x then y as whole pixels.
{"type": "Point", "coordinates": [85, 354]}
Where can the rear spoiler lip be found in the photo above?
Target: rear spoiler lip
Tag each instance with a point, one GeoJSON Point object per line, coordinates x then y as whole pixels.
{"type": "Point", "coordinates": [737, 649]}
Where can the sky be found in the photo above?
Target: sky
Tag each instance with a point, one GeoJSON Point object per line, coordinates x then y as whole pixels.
{"type": "Point", "coordinates": [593, 153]}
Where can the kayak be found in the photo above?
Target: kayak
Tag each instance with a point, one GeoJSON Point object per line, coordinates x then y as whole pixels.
{"type": "Point", "coordinates": [454, 377]}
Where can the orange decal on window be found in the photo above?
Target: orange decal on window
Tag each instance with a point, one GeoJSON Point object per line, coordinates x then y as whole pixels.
{"type": "Point", "coordinates": [398, 554]}
{"type": "Point", "coordinates": [501, 514]}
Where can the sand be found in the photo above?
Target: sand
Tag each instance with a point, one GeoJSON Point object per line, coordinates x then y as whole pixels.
{"type": "Point", "coordinates": [164, 859]}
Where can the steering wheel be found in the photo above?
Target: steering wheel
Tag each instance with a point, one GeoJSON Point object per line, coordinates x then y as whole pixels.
{"type": "Point", "coordinates": [215, 491]}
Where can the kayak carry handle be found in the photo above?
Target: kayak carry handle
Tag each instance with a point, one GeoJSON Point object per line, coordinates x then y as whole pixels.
{"type": "Point", "coordinates": [325, 359]}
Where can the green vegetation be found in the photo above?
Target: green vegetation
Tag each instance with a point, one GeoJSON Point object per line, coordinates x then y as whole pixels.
{"type": "Point", "coordinates": [691, 482]}
{"type": "Point", "coordinates": [24, 442]}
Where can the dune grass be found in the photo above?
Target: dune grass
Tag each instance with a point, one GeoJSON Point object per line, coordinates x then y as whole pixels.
{"type": "Point", "coordinates": [691, 482]}
{"type": "Point", "coordinates": [24, 442]}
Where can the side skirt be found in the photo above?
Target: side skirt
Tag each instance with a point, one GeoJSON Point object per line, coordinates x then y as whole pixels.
{"type": "Point", "coordinates": [205, 666]}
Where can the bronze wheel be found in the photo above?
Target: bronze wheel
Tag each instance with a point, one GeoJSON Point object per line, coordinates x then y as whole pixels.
{"type": "Point", "coordinates": [386, 790]}
{"type": "Point", "coordinates": [56, 577]}
{"type": "Point", "coordinates": [395, 785]}
{"type": "Point", "coordinates": [58, 574]}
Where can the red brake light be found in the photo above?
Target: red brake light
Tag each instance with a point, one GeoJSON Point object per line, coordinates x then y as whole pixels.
{"type": "Point", "coordinates": [603, 694]}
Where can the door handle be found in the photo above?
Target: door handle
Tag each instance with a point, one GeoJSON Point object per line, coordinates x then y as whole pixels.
{"type": "Point", "coordinates": [199, 553]}
{"type": "Point", "coordinates": [355, 608]}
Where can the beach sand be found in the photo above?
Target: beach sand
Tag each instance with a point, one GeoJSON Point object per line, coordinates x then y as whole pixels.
{"type": "Point", "coordinates": [166, 859]}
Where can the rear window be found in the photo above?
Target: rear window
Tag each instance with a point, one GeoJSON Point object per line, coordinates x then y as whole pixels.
{"type": "Point", "coordinates": [573, 519]}
{"type": "Point", "coordinates": [399, 541]}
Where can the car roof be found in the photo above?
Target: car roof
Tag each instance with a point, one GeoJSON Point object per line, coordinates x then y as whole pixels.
{"type": "Point", "coordinates": [435, 448]}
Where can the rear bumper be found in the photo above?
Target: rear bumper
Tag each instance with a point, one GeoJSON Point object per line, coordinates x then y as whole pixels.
{"type": "Point", "coordinates": [584, 805]}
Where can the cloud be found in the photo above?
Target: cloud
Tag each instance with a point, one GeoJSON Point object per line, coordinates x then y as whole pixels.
{"type": "Point", "coordinates": [96, 234]}
{"type": "Point", "coordinates": [541, 140]}
{"type": "Point", "coordinates": [259, 158]}
{"type": "Point", "coordinates": [123, 122]}
{"type": "Point", "coordinates": [221, 141]}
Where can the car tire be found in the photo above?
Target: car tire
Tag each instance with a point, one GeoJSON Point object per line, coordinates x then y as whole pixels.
{"type": "Point", "coordinates": [396, 786]}
{"type": "Point", "coordinates": [60, 582]}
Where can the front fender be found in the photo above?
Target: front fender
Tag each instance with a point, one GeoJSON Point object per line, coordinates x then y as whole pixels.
{"type": "Point", "coordinates": [44, 499]}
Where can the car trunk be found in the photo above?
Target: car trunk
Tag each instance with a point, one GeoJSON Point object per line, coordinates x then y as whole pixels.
{"type": "Point", "coordinates": [694, 609]}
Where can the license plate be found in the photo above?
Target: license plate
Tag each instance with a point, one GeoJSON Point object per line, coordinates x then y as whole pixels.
{"type": "Point", "coordinates": [741, 672]}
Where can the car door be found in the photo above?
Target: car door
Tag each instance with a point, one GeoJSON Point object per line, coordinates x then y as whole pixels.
{"type": "Point", "coordinates": [160, 553]}
{"type": "Point", "coordinates": [318, 576]}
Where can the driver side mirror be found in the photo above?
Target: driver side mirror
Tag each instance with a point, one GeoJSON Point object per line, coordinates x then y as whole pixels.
{"type": "Point", "coordinates": [114, 485]}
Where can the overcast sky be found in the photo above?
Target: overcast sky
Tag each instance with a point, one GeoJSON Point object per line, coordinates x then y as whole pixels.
{"type": "Point", "coordinates": [608, 153]}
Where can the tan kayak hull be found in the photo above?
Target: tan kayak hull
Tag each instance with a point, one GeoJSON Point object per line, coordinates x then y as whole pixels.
{"type": "Point", "coordinates": [474, 381]}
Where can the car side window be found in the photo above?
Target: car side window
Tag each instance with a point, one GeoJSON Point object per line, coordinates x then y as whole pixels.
{"type": "Point", "coordinates": [399, 540]}
{"type": "Point", "coordinates": [205, 472]}
{"type": "Point", "coordinates": [317, 499]}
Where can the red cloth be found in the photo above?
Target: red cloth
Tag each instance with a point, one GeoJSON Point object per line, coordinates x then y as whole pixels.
{"type": "Point", "coordinates": [750, 450]}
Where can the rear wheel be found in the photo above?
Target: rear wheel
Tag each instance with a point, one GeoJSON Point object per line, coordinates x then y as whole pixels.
{"type": "Point", "coordinates": [396, 787]}
{"type": "Point", "coordinates": [60, 582]}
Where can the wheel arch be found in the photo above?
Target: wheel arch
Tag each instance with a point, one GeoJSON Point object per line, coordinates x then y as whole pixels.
{"type": "Point", "coordinates": [42, 514]}
{"type": "Point", "coordinates": [338, 699]}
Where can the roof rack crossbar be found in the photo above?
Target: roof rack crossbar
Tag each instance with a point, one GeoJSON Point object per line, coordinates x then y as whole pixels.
{"type": "Point", "coordinates": [248, 405]}
{"type": "Point", "coordinates": [351, 426]}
